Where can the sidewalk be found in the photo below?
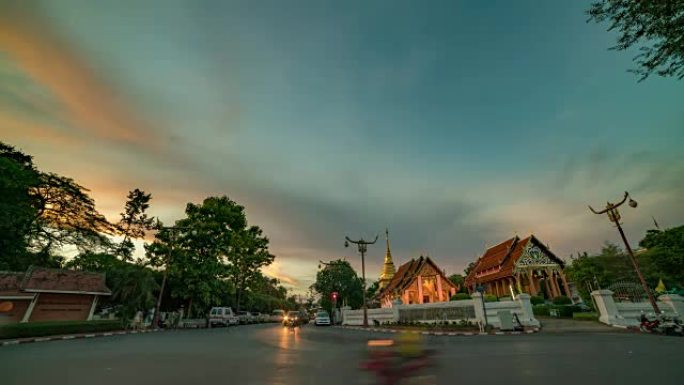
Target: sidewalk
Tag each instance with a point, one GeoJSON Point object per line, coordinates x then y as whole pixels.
{"type": "Point", "coordinates": [568, 325]}
{"type": "Point", "coordinates": [27, 340]}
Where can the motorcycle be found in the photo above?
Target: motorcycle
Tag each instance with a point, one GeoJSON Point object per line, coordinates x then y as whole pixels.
{"type": "Point", "coordinates": [661, 325]}
{"type": "Point", "coordinates": [393, 367]}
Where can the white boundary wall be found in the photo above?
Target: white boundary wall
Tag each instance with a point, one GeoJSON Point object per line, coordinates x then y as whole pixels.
{"type": "Point", "coordinates": [469, 310]}
{"type": "Point", "coordinates": [628, 313]}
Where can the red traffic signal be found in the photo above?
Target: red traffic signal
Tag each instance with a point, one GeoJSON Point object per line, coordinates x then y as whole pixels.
{"type": "Point", "coordinates": [334, 295]}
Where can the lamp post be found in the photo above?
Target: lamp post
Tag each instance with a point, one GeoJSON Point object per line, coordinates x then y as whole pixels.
{"type": "Point", "coordinates": [614, 216]}
{"type": "Point", "coordinates": [172, 239]}
{"type": "Point", "coordinates": [362, 249]}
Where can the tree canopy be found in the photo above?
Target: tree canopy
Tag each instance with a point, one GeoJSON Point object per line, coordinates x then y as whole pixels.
{"type": "Point", "coordinates": [338, 276]}
{"type": "Point", "coordinates": [655, 27]}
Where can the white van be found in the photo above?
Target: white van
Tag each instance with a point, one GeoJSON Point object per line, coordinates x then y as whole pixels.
{"type": "Point", "coordinates": [222, 316]}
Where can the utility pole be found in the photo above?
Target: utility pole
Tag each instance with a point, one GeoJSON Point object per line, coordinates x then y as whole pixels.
{"type": "Point", "coordinates": [362, 249]}
{"type": "Point", "coordinates": [614, 216]}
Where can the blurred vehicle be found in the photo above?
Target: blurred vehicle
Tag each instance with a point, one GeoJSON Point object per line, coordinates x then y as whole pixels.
{"type": "Point", "coordinates": [222, 316]}
{"type": "Point", "coordinates": [277, 315]}
{"type": "Point", "coordinates": [322, 318]}
{"type": "Point", "coordinates": [245, 317]}
{"type": "Point", "coordinates": [292, 318]}
{"type": "Point", "coordinates": [401, 361]}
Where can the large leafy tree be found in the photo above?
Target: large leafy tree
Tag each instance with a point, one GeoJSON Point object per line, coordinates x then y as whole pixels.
{"type": "Point", "coordinates": [203, 249]}
{"type": "Point", "coordinates": [338, 276]}
{"type": "Point", "coordinates": [247, 255]}
{"type": "Point", "coordinates": [43, 212]}
{"type": "Point", "coordinates": [664, 256]}
{"type": "Point", "coordinates": [66, 215]}
{"type": "Point", "coordinates": [655, 27]}
{"type": "Point", "coordinates": [17, 211]}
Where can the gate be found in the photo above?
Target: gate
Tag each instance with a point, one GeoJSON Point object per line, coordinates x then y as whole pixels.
{"type": "Point", "coordinates": [628, 291]}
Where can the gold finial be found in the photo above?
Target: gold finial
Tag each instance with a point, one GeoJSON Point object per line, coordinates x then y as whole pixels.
{"type": "Point", "coordinates": [388, 268]}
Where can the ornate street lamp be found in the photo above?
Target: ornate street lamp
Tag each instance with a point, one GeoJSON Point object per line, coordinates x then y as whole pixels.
{"type": "Point", "coordinates": [362, 249]}
{"type": "Point", "coordinates": [614, 216]}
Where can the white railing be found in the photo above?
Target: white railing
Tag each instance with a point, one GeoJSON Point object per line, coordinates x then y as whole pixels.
{"type": "Point", "coordinates": [628, 313]}
{"type": "Point", "coordinates": [452, 311]}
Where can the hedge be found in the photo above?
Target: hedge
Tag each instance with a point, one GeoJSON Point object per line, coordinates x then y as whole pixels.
{"type": "Point", "coordinates": [40, 329]}
{"type": "Point", "coordinates": [491, 298]}
{"type": "Point", "coordinates": [460, 296]}
{"type": "Point", "coordinates": [562, 300]}
{"type": "Point", "coordinates": [542, 310]}
{"type": "Point", "coordinates": [585, 316]}
{"type": "Point", "coordinates": [536, 300]}
{"type": "Point", "coordinates": [564, 311]}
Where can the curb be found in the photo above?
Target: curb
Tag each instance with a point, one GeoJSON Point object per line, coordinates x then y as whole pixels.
{"type": "Point", "coordinates": [441, 334]}
{"type": "Point", "coordinates": [74, 336]}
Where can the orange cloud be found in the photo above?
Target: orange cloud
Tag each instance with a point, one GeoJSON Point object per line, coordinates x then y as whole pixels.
{"type": "Point", "coordinates": [89, 104]}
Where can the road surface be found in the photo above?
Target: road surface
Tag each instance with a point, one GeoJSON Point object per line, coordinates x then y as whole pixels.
{"type": "Point", "coordinates": [270, 354]}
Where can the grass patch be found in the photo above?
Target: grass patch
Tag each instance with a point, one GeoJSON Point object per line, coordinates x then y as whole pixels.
{"type": "Point", "coordinates": [41, 329]}
{"type": "Point", "coordinates": [585, 316]}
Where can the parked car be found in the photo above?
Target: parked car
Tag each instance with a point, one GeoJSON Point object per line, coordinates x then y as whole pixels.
{"type": "Point", "coordinates": [322, 318]}
{"type": "Point", "coordinates": [259, 317]}
{"type": "Point", "coordinates": [277, 315]}
{"type": "Point", "coordinates": [245, 317]}
{"type": "Point", "coordinates": [222, 316]}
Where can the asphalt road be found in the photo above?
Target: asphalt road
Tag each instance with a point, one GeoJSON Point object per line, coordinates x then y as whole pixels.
{"type": "Point", "coordinates": [270, 354]}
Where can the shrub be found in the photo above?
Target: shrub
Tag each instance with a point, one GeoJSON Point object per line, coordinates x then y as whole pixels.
{"type": "Point", "coordinates": [40, 329]}
{"type": "Point", "coordinates": [536, 300]}
{"type": "Point", "coordinates": [460, 296]}
{"type": "Point", "coordinates": [542, 310]}
{"type": "Point", "coordinates": [562, 300]}
{"type": "Point", "coordinates": [585, 316]}
{"type": "Point", "coordinates": [565, 311]}
{"type": "Point", "coordinates": [491, 298]}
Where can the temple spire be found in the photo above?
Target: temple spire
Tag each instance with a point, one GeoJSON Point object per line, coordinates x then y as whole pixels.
{"type": "Point", "coordinates": [388, 267]}
{"type": "Point", "coordinates": [388, 253]}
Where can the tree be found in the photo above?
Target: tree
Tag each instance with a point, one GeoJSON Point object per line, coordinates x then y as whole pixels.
{"type": "Point", "coordinates": [470, 267]}
{"type": "Point", "coordinates": [664, 256]}
{"type": "Point", "coordinates": [338, 276]}
{"type": "Point", "coordinates": [249, 252]}
{"type": "Point", "coordinates": [656, 27]}
{"type": "Point", "coordinates": [134, 222]}
{"type": "Point", "coordinates": [17, 178]}
{"type": "Point", "coordinates": [212, 243]}
{"type": "Point", "coordinates": [133, 286]}
{"type": "Point", "coordinates": [66, 215]}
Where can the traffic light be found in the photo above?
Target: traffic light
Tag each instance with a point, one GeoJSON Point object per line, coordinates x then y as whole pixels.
{"type": "Point", "coordinates": [334, 296]}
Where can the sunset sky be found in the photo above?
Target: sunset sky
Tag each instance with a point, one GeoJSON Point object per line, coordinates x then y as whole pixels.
{"type": "Point", "coordinates": [457, 124]}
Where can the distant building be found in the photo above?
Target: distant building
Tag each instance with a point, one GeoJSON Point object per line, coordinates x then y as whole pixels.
{"type": "Point", "coordinates": [42, 294]}
{"type": "Point", "coordinates": [417, 281]}
{"type": "Point", "coordinates": [522, 265]}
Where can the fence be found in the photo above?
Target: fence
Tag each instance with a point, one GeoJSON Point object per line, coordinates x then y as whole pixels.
{"type": "Point", "coordinates": [628, 313]}
{"type": "Point", "coordinates": [467, 310]}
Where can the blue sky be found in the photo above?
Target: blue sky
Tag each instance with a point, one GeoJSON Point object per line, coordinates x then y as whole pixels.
{"type": "Point", "coordinates": [456, 124]}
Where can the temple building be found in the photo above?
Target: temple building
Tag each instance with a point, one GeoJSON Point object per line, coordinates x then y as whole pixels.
{"type": "Point", "coordinates": [416, 281]}
{"type": "Point", "coordinates": [519, 265]}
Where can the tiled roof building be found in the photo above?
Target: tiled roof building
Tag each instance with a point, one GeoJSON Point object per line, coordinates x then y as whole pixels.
{"type": "Point", "coordinates": [42, 294]}
{"type": "Point", "coordinates": [417, 281]}
{"type": "Point", "coordinates": [522, 265]}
